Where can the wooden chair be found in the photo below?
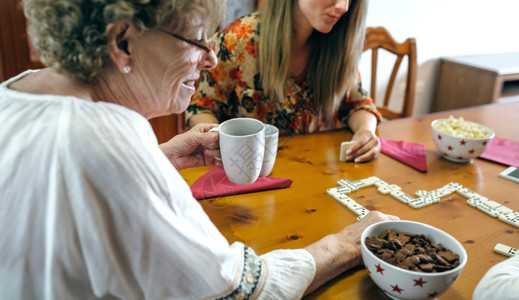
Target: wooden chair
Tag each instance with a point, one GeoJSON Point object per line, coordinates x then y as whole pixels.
{"type": "Point", "coordinates": [379, 38]}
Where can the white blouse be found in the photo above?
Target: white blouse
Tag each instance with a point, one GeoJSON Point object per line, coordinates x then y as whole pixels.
{"type": "Point", "coordinates": [500, 282]}
{"type": "Point", "coordinates": [92, 208]}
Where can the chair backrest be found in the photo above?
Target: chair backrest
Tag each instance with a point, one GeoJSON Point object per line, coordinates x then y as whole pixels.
{"type": "Point", "coordinates": [377, 38]}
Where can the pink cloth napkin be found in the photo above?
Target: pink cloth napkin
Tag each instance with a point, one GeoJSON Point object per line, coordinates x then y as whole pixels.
{"type": "Point", "coordinates": [411, 154]}
{"type": "Point", "coordinates": [502, 151]}
{"type": "Point", "coordinates": [215, 183]}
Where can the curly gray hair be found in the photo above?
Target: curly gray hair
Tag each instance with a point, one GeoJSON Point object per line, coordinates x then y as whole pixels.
{"type": "Point", "coordinates": [69, 35]}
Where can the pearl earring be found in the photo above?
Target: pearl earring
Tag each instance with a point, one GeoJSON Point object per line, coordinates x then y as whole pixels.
{"type": "Point", "coordinates": [127, 69]}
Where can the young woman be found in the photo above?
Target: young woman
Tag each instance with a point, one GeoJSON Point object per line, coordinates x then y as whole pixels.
{"type": "Point", "coordinates": [292, 65]}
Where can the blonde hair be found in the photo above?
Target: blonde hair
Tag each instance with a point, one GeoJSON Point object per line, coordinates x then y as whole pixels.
{"type": "Point", "coordinates": [69, 35]}
{"type": "Point", "coordinates": [334, 56]}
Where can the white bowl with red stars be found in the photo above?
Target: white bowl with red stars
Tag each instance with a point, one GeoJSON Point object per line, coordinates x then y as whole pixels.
{"type": "Point", "coordinates": [461, 149]}
{"type": "Point", "coordinates": [398, 283]}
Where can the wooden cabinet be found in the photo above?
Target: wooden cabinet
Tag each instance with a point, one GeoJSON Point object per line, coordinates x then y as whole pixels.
{"type": "Point", "coordinates": [16, 57]}
{"type": "Point", "coordinates": [475, 80]}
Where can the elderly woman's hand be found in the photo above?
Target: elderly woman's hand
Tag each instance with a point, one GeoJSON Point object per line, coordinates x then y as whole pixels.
{"type": "Point", "coordinates": [194, 148]}
{"type": "Point", "coordinates": [336, 253]}
{"type": "Point", "coordinates": [351, 234]}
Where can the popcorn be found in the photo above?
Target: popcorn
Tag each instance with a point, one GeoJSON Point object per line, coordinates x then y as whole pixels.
{"type": "Point", "coordinates": [461, 128]}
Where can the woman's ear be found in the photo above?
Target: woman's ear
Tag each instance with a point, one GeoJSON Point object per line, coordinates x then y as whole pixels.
{"type": "Point", "coordinates": [118, 47]}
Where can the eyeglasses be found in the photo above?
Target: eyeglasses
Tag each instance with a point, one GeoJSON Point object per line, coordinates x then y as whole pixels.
{"type": "Point", "coordinates": [208, 48]}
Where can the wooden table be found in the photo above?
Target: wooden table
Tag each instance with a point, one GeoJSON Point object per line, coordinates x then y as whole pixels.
{"type": "Point", "coordinates": [303, 213]}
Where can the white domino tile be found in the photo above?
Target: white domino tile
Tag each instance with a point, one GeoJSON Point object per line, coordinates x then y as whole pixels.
{"type": "Point", "coordinates": [487, 209]}
{"type": "Point", "coordinates": [440, 193]}
{"type": "Point", "coordinates": [371, 180]}
{"type": "Point", "coordinates": [394, 187]}
{"type": "Point", "coordinates": [344, 200]}
{"type": "Point", "coordinates": [492, 204]}
{"type": "Point", "coordinates": [366, 182]}
{"type": "Point", "coordinates": [452, 186]}
{"type": "Point", "coordinates": [347, 184]}
{"type": "Point", "coordinates": [361, 184]}
{"type": "Point", "coordinates": [401, 196]}
{"type": "Point", "coordinates": [380, 183]}
{"type": "Point", "coordinates": [384, 190]}
{"type": "Point", "coordinates": [473, 201]}
{"type": "Point", "coordinates": [465, 192]}
{"type": "Point", "coordinates": [506, 250]}
{"type": "Point", "coordinates": [338, 190]}
{"type": "Point", "coordinates": [419, 204]}
{"type": "Point", "coordinates": [510, 218]}
{"type": "Point", "coordinates": [353, 206]}
{"type": "Point", "coordinates": [361, 211]}
{"type": "Point", "coordinates": [420, 193]}
{"type": "Point", "coordinates": [504, 210]}
{"type": "Point", "coordinates": [344, 147]}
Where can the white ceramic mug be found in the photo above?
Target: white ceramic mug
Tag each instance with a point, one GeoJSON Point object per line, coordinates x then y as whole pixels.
{"type": "Point", "coordinates": [271, 149]}
{"type": "Point", "coordinates": [242, 146]}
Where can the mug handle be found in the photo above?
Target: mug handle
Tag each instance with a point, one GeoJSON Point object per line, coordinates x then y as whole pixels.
{"type": "Point", "coordinates": [215, 129]}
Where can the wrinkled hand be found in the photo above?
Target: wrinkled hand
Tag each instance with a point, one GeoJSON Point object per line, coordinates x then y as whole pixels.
{"type": "Point", "coordinates": [353, 232]}
{"type": "Point", "coordinates": [365, 148]}
{"type": "Point", "coordinates": [194, 148]}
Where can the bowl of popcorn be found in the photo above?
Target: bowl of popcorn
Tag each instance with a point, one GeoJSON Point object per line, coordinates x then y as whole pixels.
{"type": "Point", "coordinates": [411, 260]}
{"type": "Point", "coordinates": [459, 140]}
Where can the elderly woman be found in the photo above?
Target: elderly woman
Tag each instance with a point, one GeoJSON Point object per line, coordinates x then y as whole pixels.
{"type": "Point", "coordinates": [92, 207]}
{"type": "Point", "coordinates": [293, 65]}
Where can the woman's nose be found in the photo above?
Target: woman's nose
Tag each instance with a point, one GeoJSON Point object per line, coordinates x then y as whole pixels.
{"type": "Point", "coordinates": [341, 6]}
{"type": "Point", "coordinates": [208, 60]}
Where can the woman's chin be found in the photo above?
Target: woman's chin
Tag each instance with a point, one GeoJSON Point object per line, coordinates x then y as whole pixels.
{"type": "Point", "coordinates": [179, 106]}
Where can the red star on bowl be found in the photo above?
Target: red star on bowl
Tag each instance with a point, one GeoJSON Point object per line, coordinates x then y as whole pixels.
{"type": "Point", "coordinates": [450, 148]}
{"type": "Point", "coordinates": [471, 151]}
{"type": "Point", "coordinates": [439, 137]}
{"type": "Point", "coordinates": [462, 143]}
{"type": "Point", "coordinates": [419, 282]}
{"type": "Point", "coordinates": [380, 270]}
{"type": "Point", "coordinates": [455, 277]}
{"type": "Point", "coordinates": [433, 295]}
{"type": "Point", "coordinates": [397, 289]}
{"type": "Point", "coordinates": [485, 143]}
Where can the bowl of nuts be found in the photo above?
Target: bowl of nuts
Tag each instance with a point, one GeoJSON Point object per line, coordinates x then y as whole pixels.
{"type": "Point", "coordinates": [459, 140]}
{"type": "Point", "coordinates": [411, 260]}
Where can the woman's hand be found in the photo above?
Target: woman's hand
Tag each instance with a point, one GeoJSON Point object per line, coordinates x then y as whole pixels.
{"type": "Point", "coordinates": [351, 234]}
{"type": "Point", "coordinates": [366, 146]}
{"type": "Point", "coordinates": [194, 148]}
{"type": "Point", "coordinates": [336, 253]}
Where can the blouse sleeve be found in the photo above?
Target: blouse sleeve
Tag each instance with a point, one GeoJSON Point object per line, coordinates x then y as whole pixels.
{"type": "Point", "coordinates": [356, 99]}
{"type": "Point", "coordinates": [294, 268]}
{"type": "Point", "coordinates": [500, 282]}
{"type": "Point", "coordinates": [216, 86]}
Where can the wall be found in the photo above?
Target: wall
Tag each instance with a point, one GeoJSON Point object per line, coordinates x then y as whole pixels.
{"type": "Point", "coordinates": [441, 28]}
{"type": "Point", "coordinates": [237, 9]}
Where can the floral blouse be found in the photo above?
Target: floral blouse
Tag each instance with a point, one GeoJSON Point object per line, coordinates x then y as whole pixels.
{"type": "Point", "coordinates": [232, 89]}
